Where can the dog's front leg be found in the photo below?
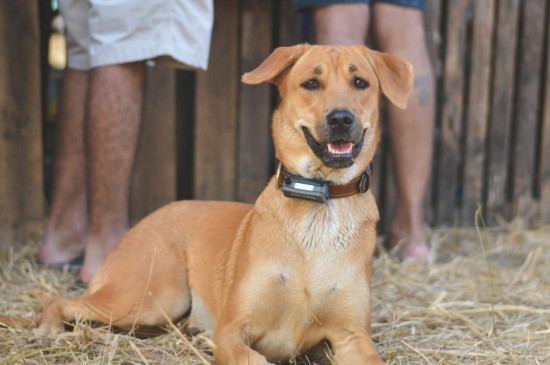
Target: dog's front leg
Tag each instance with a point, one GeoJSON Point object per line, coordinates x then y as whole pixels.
{"type": "Point", "coordinates": [353, 345]}
{"type": "Point", "coordinates": [232, 346]}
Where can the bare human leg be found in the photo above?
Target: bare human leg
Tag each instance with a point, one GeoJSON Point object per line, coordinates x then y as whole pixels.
{"type": "Point", "coordinates": [64, 239]}
{"type": "Point", "coordinates": [343, 24]}
{"type": "Point", "coordinates": [114, 114]}
{"type": "Point", "coordinates": [400, 31]}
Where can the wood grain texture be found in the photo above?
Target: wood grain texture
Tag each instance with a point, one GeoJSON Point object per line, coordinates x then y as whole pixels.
{"type": "Point", "coordinates": [290, 26]}
{"type": "Point", "coordinates": [154, 175]}
{"type": "Point", "coordinates": [528, 106]}
{"type": "Point", "coordinates": [434, 41]}
{"type": "Point", "coordinates": [452, 113]}
{"type": "Point", "coordinates": [22, 203]}
{"type": "Point", "coordinates": [478, 109]}
{"type": "Point", "coordinates": [544, 153]}
{"type": "Point", "coordinates": [254, 102]}
{"type": "Point", "coordinates": [216, 109]}
{"type": "Point", "coordinates": [502, 107]}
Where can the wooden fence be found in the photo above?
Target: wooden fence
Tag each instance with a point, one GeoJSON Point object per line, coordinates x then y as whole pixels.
{"type": "Point", "coordinates": [493, 120]}
{"type": "Point", "coordinates": [21, 183]}
{"type": "Point", "coordinates": [206, 136]}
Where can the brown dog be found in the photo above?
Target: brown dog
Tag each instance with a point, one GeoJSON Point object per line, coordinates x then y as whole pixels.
{"type": "Point", "coordinates": [274, 279]}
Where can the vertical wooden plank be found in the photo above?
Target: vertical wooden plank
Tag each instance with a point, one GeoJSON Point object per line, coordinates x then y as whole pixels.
{"type": "Point", "coordinates": [216, 109]}
{"type": "Point", "coordinates": [254, 102]}
{"type": "Point", "coordinates": [185, 133]}
{"type": "Point", "coordinates": [478, 109]}
{"type": "Point", "coordinates": [528, 105]}
{"type": "Point", "coordinates": [154, 175]}
{"type": "Point", "coordinates": [432, 24]}
{"type": "Point", "coordinates": [22, 203]}
{"type": "Point", "coordinates": [290, 25]}
{"type": "Point", "coordinates": [544, 162]}
{"type": "Point", "coordinates": [502, 109]}
{"type": "Point", "coordinates": [452, 112]}
{"type": "Point", "coordinates": [380, 182]}
{"type": "Point", "coordinates": [385, 185]}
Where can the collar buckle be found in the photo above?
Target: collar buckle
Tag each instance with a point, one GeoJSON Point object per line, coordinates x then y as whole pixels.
{"type": "Point", "coordinates": [364, 180]}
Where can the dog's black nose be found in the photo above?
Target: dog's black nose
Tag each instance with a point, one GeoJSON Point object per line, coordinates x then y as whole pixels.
{"type": "Point", "coordinates": [340, 120]}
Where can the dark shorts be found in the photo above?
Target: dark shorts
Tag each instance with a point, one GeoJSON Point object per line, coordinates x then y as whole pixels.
{"type": "Point", "coordinates": [302, 4]}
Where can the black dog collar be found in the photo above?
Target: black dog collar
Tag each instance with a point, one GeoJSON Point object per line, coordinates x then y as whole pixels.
{"type": "Point", "coordinates": [318, 190]}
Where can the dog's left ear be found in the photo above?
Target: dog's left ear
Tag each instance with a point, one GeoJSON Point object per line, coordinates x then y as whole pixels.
{"type": "Point", "coordinates": [395, 74]}
{"type": "Point", "coordinates": [275, 64]}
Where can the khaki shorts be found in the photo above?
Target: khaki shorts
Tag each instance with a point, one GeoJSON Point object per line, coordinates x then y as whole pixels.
{"type": "Point", "coordinates": [100, 33]}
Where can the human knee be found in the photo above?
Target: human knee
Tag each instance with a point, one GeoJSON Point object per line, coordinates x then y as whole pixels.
{"type": "Point", "coordinates": [396, 28]}
{"type": "Point", "coordinates": [344, 24]}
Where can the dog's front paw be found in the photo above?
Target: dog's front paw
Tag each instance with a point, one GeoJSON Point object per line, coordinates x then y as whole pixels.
{"type": "Point", "coordinates": [239, 355]}
{"type": "Point", "coordinates": [251, 358]}
{"type": "Point", "coordinates": [353, 345]}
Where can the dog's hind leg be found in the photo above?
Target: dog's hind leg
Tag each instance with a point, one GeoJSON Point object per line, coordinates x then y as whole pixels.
{"type": "Point", "coordinates": [19, 321]}
{"type": "Point", "coordinates": [60, 310]}
{"type": "Point", "coordinates": [115, 307]}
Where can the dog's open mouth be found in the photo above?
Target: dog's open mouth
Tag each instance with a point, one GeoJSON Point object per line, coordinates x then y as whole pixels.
{"type": "Point", "coordinates": [341, 148]}
{"type": "Point", "coordinates": [336, 154]}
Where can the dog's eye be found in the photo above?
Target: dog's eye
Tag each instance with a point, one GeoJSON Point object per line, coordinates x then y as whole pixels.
{"type": "Point", "coordinates": [311, 84]}
{"type": "Point", "coordinates": [360, 83]}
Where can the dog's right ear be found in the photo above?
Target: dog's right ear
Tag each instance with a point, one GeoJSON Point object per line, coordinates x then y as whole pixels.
{"type": "Point", "coordinates": [278, 61]}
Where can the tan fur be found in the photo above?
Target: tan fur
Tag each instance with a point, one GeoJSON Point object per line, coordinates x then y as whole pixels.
{"type": "Point", "coordinates": [278, 277]}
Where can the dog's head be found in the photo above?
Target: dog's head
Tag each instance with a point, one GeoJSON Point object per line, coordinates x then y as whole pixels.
{"type": "Point", "coordinates": [326, 126]}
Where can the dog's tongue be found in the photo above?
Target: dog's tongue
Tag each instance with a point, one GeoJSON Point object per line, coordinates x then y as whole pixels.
{"type": "Point", "coordinates": [340, 148]}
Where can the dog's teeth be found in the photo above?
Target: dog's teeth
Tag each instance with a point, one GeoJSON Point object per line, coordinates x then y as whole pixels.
{"type": "Point", "coordinates": [340, 148]}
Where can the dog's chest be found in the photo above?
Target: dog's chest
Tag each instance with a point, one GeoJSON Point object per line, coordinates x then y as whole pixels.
{"type": "Point", "coordinates": [313, 273]}
{"type": "Point", "coordinates": [317, 262]}
{"type": "Point", "coordinates": [307, 297]}
{"type": "Point", "coordinates": [311, 288]}
{"type": "Point", "coordinates": [300, 295]}
{"type": "Point", "coordinates": [331, 226]}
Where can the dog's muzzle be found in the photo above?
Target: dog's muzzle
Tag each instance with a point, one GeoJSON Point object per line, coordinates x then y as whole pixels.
{"type": "Point", "coordinates": [341, 139]}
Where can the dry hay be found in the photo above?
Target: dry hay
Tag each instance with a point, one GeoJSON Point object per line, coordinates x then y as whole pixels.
{"type": "Point", "coordinates": [484, 300]}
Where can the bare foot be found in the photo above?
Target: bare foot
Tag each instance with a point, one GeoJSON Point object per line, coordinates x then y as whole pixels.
{"type": "Point", "coordinates": [60, 246]}
{"type": "Point", "coordinates": [97, 250]}
{"type": "Point", "coordinates": [408, 245]}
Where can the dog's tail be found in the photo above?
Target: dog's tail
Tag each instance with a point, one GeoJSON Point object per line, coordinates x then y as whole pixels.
{"type": "Point", "coordinates": [26, 322]}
